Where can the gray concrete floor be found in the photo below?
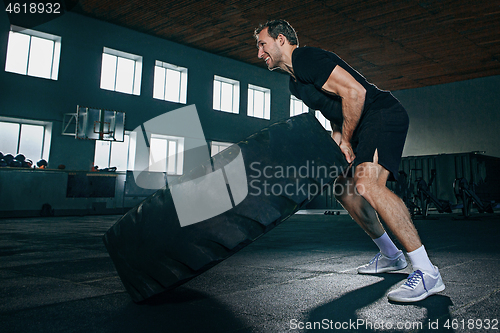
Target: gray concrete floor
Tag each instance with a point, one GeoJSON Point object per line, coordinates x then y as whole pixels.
{"type": "Point", "coordinates": [56, 276]}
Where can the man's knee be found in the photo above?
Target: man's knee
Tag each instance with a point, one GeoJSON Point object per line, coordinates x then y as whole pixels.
{"type": "Point", "coordinates": [367, 183]}
{"type": "Point", "coordinates": [344, 188]}
{"type": "Point", "coordinates": [362, 189]}
{"type": "Point", "coordinates": [347, 188]}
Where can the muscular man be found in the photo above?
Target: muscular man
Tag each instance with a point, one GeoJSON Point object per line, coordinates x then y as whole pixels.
{"type": "Point", "coordinates": [370, 127]}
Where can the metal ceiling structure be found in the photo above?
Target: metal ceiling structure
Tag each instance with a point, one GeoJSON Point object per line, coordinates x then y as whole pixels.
{"type": "Point", "coordinates": [398, 44]}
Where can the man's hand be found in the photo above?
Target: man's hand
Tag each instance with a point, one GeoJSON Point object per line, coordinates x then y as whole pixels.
{"type": "Point", "coordinates": [346, 148]}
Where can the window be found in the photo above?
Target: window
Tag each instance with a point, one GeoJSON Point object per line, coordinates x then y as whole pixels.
{"type": "Point", "coordinates": [30, 138]}
{"type": "Point", "coordinates": [217, 147]}
{"type": "Point", "coordinates": [121, 71]}
{"type": "Point", "coordinates": [170, 83]}
{"type": "Point", "coordinates": [33, 53]}
{"type": "Point", "coordinates": [226, 94]}
{"type": "Point", "coordinates": [323, 121]}
{"type": "Point", "coordinates": [112, 154]}
{"type": "Point", "coordinates": [297, 106]}
{"type": "Point", "coordinates": [166, 154]}
{"type": "Point", "coordinates": [259, 102]}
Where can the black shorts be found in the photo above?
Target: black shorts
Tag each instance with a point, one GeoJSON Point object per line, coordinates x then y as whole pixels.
{"type": "Point", "coordinates": [384, 130]}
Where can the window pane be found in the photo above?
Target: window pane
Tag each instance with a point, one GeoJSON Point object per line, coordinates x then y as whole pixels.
{"type": "Point", "coordinates": [17, 53]}
{"type": "Point", "coordinates": [101, 157]}
{"type": "Point", "coordinates": [305, 109]}
{"type": "Point", "coordinates": [131, 150]}
{"type": "Point", "coordinates": [31, 142]}
{"type": "Point", "coordinates": [297, 107]}
{"type": "Point", "coordinates": [55, 60]}
{"type": "Point", "coordinates": [40, 61]}
{"type": "Point", "coordinates": [136, 81]}
{"type": "Point", "coordinates": [108, 71]}
{"type": "Point", "coordinates": [119, 154]}
{"type": "Point", "coordinates": [215, 150]}
{"type": "Point", "coordinates": [217, 147]}
{"type": "Point", "coordinates": [227, 97]}
{"type": "Point", "coordinates": [259, 104]}
{"type": "Point", "coordinates": [267, 105]}
{"type": "Point", "coordinates": [159, 84]}
{"type": "Point", "coordinates": [328, 125]}
{"type": "Point", "coordinates": [180, 156]}
{"type": "Point", "coordinates": [217, 95]}
{"type": "Point", "coordinates": [323, 121]}
{"type": "Point", "coordinates": [158, 155]}
{"type": "Point", "coordinates": [125, 75]}
{"type": "Point", "coordinates": [9, 136]}
{"type": "Point", "coordinates": [183, 92]}
{"type": "Point", "coordinates": [250, 102]}
{"type": "Point", "coordinates": [172, 156]}
{"type": "Point", "coordinates": [173, 85]}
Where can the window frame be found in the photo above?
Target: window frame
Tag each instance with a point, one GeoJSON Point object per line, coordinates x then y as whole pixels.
{"type": "Point", "coordinates": [56, 51]}
{"type": "Point", "coordinates": [218, 144]}
{"type": "Point", "coordinates": [293, 101]}
{"type": "Point", "coordinates": [47, 134]}
{"type": "Point", "coordinates": [179, 155]}
{"type": "Point", "coordinates": [235, 94]}
{"type": "Point", "coordinates": [251, 102]}
{"type": "Point", "coordinates": [137, 75]}
{"type": "Point", "coordinates": [322, 120]}
{"type": "Point", "coordinates": [126, 140]}
{"type": "Point", "coordinates": [183, 81]}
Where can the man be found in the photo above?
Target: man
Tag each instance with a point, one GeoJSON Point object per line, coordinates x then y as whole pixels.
{"type": "Point", "coordinates": [370, 127]}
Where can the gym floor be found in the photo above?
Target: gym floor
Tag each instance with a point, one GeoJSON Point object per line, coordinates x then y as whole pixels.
{"type": "Point", "coordinates": [56, 276]}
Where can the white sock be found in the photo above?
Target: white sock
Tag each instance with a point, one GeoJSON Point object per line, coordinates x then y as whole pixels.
{"type": "Point", "coordinates": [386, 246]}
{"type": "Point", "coordinates": [420, 260]}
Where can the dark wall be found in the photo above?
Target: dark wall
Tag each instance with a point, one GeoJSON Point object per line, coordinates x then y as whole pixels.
{"type": "Point", "coordinates": [83, 40]}
{"type": "Point", "coordinates": [453, 118]}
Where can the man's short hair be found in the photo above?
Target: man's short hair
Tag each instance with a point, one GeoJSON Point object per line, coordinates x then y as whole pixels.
{"type": "Point", "coordinates": [276, 27]}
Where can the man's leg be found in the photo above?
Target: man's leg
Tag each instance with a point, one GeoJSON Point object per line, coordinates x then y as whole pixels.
{"type": "Point", "coordinates": [357, 206]}
{"type": "Point", "coordinates": [390, 257]}
{"type": "Point", "coordinates": [370, 181]}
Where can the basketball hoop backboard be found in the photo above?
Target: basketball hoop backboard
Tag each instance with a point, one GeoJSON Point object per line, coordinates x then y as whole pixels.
{"type": "Point", "coordinates": [97, 124]}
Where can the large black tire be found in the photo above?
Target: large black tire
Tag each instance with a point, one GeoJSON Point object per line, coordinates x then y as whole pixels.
{"type": "Point", "coordinates": [153, 253]}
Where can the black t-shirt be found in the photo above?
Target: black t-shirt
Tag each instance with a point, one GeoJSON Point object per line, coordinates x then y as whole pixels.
{"type": "Point", "coordinates": [312, 67]}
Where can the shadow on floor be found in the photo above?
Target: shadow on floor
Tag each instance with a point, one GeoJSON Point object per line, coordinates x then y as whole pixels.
{"type": "Point", "coordinates": [180, 310]}
{"type": "Point", "coordinates": [344, 309]}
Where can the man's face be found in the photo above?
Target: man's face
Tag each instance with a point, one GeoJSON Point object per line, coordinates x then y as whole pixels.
{"type": "Point", "coordinates": [268, 49]}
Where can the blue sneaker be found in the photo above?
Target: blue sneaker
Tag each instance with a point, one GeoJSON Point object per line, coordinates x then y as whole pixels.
{"type": "Point", "coordinates": [382, 264]}
{"type": "Point", "coordinates": [417, 287]}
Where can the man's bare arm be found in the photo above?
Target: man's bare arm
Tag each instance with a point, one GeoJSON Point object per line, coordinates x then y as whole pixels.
{"type": "Point", "coordinates": [341, 83]}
